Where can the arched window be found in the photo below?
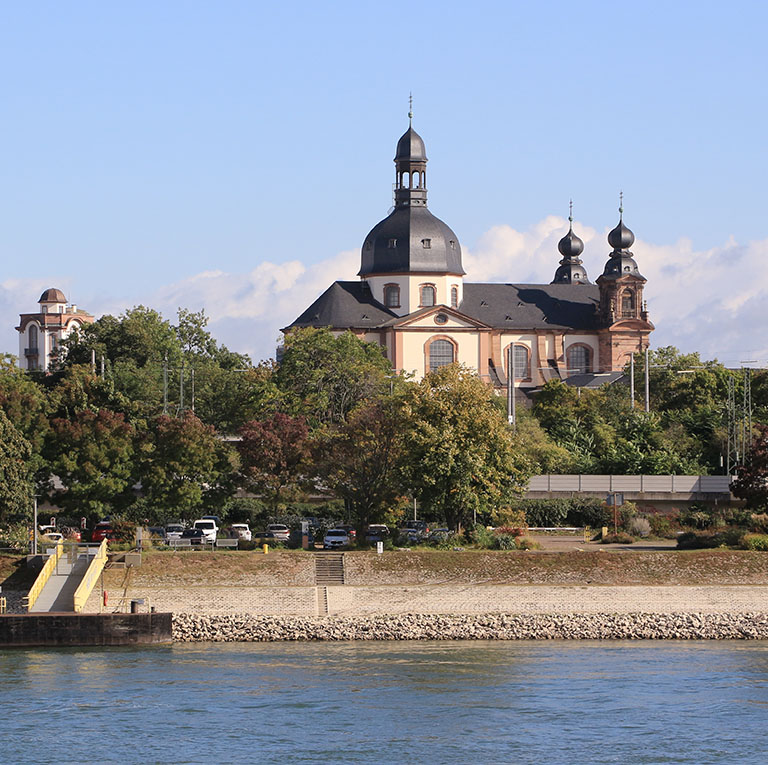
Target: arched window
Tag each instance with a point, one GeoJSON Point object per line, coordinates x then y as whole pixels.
{"type": "Point", "coordinates": [522, 362]}
{"type": "Point", "coordinates": [427, 295]}
{"type": "Point", "coordinates": [579, 358]}
{"type": "Point", "coordinates": [454, 297]}
{"type": "Point", "coordinates": [628, 305]}
{"type": "Point", "coordinates": [440, 354]}
{"type": "Point", "coordinates": [32, 335]}
{"type": "Point", "coordinates": [392, 296]}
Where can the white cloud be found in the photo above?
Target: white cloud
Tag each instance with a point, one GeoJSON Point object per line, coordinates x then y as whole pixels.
{"type": "Point", "coordinates": [712, 300]}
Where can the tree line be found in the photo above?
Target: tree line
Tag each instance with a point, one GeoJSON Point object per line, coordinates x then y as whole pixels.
{"type": "Point", "coordinates": [167, 423]}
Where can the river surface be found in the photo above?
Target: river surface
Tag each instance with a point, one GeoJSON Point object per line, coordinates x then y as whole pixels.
{"type": "Point", "coordinates": [430, 702]}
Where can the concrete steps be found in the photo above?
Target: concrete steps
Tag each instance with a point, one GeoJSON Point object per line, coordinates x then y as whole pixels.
{"type": "Point", "coordinates": [329, 568]}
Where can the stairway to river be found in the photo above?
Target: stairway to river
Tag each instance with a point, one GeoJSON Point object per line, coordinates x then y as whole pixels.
{"type": "Point", "coordinates": [329, 569]}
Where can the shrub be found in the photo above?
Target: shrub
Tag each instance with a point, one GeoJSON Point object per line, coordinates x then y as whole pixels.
{"type": "Point", "coordinates": [699, 540]}
{"type": "Point", "coordinates": [483, 538]}
{"type": "Point", "coordinates": [755, 542]}
{"type": "Point", "coordinates": [639, 527]}
{"type": "Point", "coordinates": [622, 538]}
{"type": "Point", "coordinates": [526, 543]}
{"type": "Point", "coordinates": [759, 522]}
{"type": "Point", "coordinates": [505, 542]}
{"type": "Point", "coordinates": [663, 526]}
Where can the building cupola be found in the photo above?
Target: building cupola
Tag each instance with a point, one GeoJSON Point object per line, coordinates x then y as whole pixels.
{"type": "Point", "coordinates": [621, 261]}
{"type": "Point", "coordinates": [571, 269]}
{"type": "Point", "coordinates": [410, 239]}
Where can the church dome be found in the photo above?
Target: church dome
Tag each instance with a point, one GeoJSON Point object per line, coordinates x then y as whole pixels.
{"type": "Point", "coordinates": [411, 147]}
{"type": "Point", "coordinates": [409, 240]}
{"type": "Point", "coordinates": [621, 238]}
{"type": "Point", "coordinates": [570, 246]}
{"type": "Point", "coordinates": [52, 295]}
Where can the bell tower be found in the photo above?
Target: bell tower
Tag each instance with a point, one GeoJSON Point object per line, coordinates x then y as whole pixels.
{"type": "Point", "coordinates": [623, 314]}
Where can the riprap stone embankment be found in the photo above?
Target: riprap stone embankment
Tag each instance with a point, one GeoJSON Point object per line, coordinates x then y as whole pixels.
{"type": "Point", "coordinates": [623, 626]}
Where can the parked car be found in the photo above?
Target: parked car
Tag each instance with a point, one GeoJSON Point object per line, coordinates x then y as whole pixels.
{"type": "Point", "coordinates": [264, 537]}
{"type": "Point", "coordinates": [173, 531]}
{"type": "Point", "coordinates": [350, 529]}
{"type": "Point", "coordinates": [211, 518]}
{"type": "Point", "coordinates": [280, 530]}
{"type": "Point", "coordinates": [71, 534]}
{"type": "Point", "coordinates": [195, 536]}
{"type": "Point", "coordinates": [335, 538]}
{"type": "Point", "coordinates": [241, 531]}
{"type": "Point", "coordinates": [102, 530]}
{"type": "Point", "coordinates": [209, 528]}
{"type": "Point", "coordinates": [413, 531]}
{"type": "Point", "coordinates": [156, 533]}
{"type": "Point", "coordinates": [439, 535]}
{"type": "Point", "coordinates": [51, 537]}
{"type": "Point", "coordinates": [377, 532]}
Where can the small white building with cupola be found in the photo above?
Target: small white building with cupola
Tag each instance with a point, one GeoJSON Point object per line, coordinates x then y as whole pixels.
{"type": "Point", "coordinates": [41, 333]}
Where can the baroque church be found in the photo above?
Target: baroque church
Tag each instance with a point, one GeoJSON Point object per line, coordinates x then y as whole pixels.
{"type": "Point", "coordinates": [413, 301]}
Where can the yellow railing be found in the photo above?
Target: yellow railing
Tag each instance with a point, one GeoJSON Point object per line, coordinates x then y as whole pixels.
{"type": "Point", "coordinates": [95, 568]}
{"type": "Point", "coordinates": [44, 575]}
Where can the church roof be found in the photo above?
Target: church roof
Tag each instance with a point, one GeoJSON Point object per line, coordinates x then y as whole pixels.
{"type": "Point", "coordinates": [350, 305]}
{"type": "Point", "coordinates": [345, 305]}
{"type": "Point", "coordinates": [533, 306]}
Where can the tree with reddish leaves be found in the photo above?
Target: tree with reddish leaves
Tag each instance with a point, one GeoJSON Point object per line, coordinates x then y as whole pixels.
{"type": "Point", "coordinates": [752, 482]}
{"type": "Point", "coordinates": [276, 458]}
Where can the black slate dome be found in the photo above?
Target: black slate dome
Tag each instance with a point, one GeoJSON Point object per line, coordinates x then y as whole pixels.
{"type": "Point", "coordinates": [411, 146]}
{"type": "Point", "coordinates": [621, 238]}
{"type": "Point", "coordinates": [621, 261]}
{"type": "Point", "coordinates": [410, 239]}
{"type": "Point", "coordinates": [570, 246]}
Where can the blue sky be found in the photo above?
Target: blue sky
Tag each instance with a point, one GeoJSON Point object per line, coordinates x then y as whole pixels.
{"type": "Point", "coordinates": [233, 155]}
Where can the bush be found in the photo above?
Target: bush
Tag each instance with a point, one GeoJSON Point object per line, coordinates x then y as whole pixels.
{"type": "Point", "coordinates": [526, 543]}
{"type": "Point", "coordinates": [574, 511]}
{"type": "Point", "coordinates": [701, 540]}
{"type": "Point", "coordinates": [664, 526]}
{"type": "Point", "coordinates": [505, 542]}
{"type": "Point", "coordinates": [755, 542]}
{"type": "Point", "coordinates": [622, 538]}
{"type": "Point", "coordinates": [639, 527]}
{"type": "Point", "coordinates": [483, 538]}
{"type": "Point", "coordinates": [759, 523]}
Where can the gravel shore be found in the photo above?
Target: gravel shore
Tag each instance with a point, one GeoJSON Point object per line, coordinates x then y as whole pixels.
{"type": "Point", "coordinates": [189, 628]}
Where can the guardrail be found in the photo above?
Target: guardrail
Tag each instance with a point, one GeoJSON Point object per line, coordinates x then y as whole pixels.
{"type": "Point", "coordinates": [95, 567]}
{"type": "Point", "coordinates": [44, 575]}
{"type": "Point", "coordinates": [672, 484]}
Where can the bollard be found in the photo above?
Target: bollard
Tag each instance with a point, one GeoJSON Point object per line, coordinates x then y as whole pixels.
{"type": "Point", "coordinates": [265, 547]}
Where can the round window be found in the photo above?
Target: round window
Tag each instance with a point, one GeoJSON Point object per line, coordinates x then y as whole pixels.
{"type": "Point", "coordinates": [441, 318]}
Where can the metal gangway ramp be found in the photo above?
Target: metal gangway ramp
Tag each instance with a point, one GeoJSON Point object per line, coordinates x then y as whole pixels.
{"type": "Point", "coordinates": [67, 578]}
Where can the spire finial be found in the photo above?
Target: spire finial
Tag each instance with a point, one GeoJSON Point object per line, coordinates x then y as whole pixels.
{"type": "Point", "coordinates": [621, 205]}
{"type": "Point", "coordinates": [410, 109]}
{"type": "Point", "coordinates": [570, 214]}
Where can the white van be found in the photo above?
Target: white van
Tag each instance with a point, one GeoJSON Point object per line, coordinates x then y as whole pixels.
{"type": "Point", "coordinates": [208, 527]}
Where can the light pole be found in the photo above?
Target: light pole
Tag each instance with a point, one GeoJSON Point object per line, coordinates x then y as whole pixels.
{"type": "Point", "coordinates": [511, 409]}
{"type": "Point", "coordinates": [34, 528]}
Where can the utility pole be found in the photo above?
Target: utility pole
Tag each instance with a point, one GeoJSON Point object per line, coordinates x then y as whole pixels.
{"type": "Point", "coordinates": [181, 389]}
{"type": "Point", "coordinates": [647, 381]}
{"type": "Point", "coordinates": [93, 361]}
{"type": "Point", "coordinates": [632, 380]}
{"type": "Point", "coordinates": [165, 384]}
{"type": "Point", "coordinates": [511, 408]}
{"type": "Point", "coordinates": [102, 366]}
{"type": "Point", "coordinates": [192, 374]}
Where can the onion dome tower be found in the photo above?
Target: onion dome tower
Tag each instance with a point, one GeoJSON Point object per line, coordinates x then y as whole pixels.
{"type": "Point", "coordinates": [621, 283]}
{"type": "Point", "coordinates": [571, 270]}
{"type": "Point", "coordinates": [410, 240]}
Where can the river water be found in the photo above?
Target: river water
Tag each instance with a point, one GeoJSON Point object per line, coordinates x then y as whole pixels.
{"type": "Point", "coordinates": [430, 702]}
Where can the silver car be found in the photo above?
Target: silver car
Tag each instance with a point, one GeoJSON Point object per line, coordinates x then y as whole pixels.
{"type": "Point", "coordinates": [335, 538]}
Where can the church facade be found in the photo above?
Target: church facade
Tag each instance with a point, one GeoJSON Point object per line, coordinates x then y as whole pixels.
{"type": "Point", "coordinates": [412, 300]}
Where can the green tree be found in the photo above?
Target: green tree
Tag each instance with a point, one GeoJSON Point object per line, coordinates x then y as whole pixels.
{"type": "Point", "coordinates": [15, 472]}
{"type": "Point", "coordinates": [185, 465]}
{"type": "Point", "coordinates": [92, 454]}
{"type": "Point", "coordinates": [324, 376]}
{"type": "Point", "coordinates": [461, 452]}
{"type": "Point", "coordinates": [275, 458]}
{"type": "Point", "coordinates": [361, 460]}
